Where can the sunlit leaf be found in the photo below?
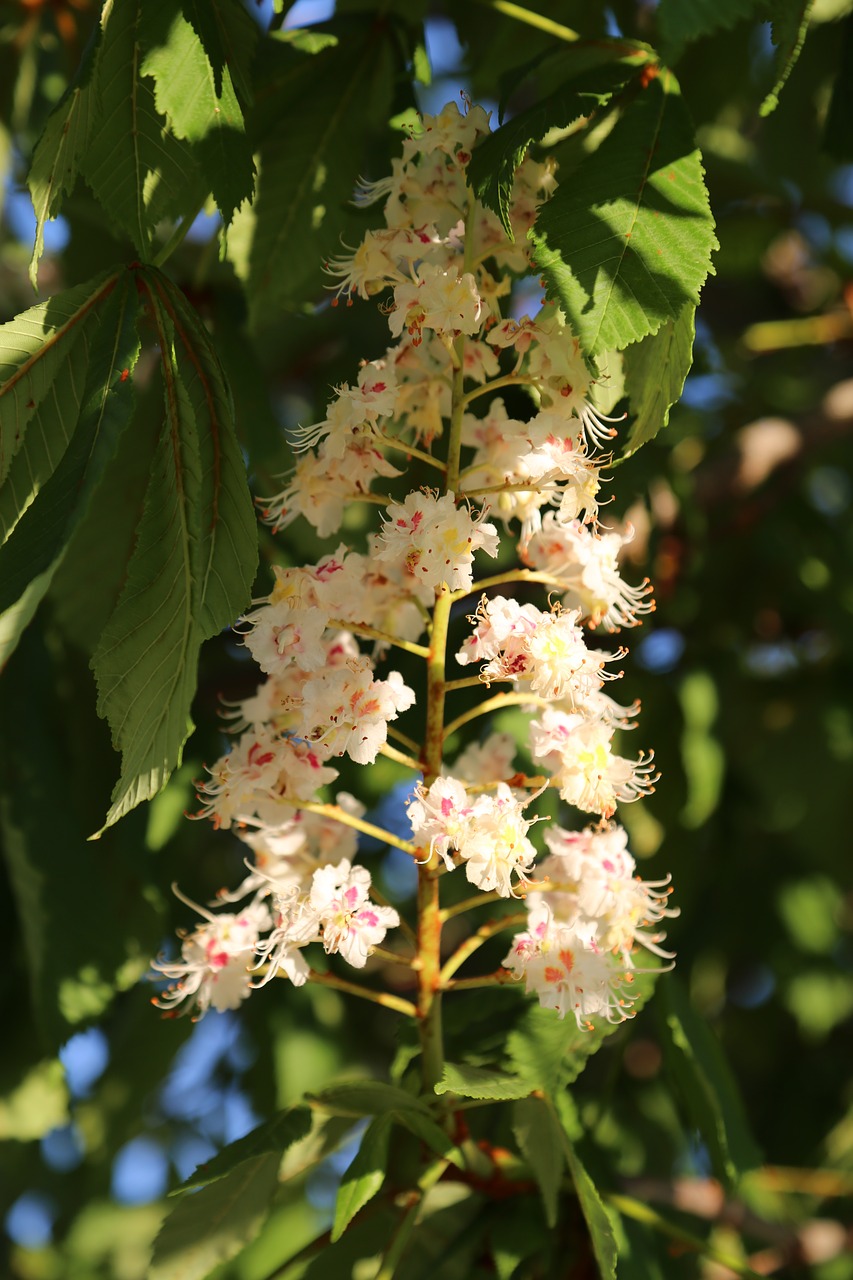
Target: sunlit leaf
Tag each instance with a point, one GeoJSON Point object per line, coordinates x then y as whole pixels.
{"type": "Point", "coordinates": [655, 371]}
{"type": "Point", "coordinates": [201, 108]}
{"type": "Point", "coordinates": [497, 156]}
{"type": "Point", "coordinates": [627, 243]}
{"type": "Point", "coordinates": [478, 1082]}
{"type": "Point", "coordinates": [365, 1175]}
{"type": "Point", "coordinates": [788, 30]}
{"type": "Point", "coordinates": [138, 170]}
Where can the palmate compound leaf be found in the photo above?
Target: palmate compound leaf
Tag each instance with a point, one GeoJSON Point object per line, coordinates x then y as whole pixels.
{"type": "Point", "coordinates": [138, 170]}
{"type": "Point", "coordinates": [540, 1141]}
{"type": "Point", "coordinates": [65, 397]}
{"type": "Point", "coordinates": [276, 1135]}
{"type": "Point", "coordinates": [627, 243]}
{"type": "Point", "coordinates": [599, 1217]}
{"type": "Point", "coordinates": [200, 105]}
{"type": "Point", "coordinates": [195, 557]}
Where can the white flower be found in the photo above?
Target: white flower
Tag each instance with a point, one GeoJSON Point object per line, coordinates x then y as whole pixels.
{"type": "Point", "coordinates": [579, 753]}
{"type": "Point", "coordinates": [594, 881]}
{"type": "Point", "coordinates": [436, 299]}
{"type": "Point", "coordinates": [345, 710]}
{"type": "Point", "coordinates": [351, 923]}
{"type": "Point", "coordinates": [215, 961]}
{"type": "Point", "coordinates": [588, 563]}
{"type": "Point", "coordinates": [549, 650]}
{"type": "Point", "coordinates": [495, 846]}
{"type": "Point", "coordinates": [566, 968]}
{"type": "Point", "coordinates": [434, 540]}
{"type": "Point", "coordinates": [440, 816]}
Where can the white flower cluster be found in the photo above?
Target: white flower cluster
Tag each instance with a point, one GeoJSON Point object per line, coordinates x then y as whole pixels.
{"type": "Point", "coordinates": [444, 264]}
{"type": "Point", "coordinates": [303, 889]}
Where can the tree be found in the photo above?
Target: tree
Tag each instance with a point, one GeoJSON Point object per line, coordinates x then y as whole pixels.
{"type": "Point", "coordinates": [181, 356]}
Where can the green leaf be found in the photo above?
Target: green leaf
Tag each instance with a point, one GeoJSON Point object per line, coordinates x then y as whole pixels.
{"type": "Point", "coordinates": [63, 405]}
{"type": "Point", "coordinates": [655, 372]}
{"type": "Point", "coordinates": [103, 362]}
{"type": "Point", "coordinates": [681, 21]}
{"type": "Point", "coordinates": [788, 30]}
{"type": "Point", "coordinates": [597, 1215]}
{"type": "Point", "coordinates": [38, 391]}
{"type": "Point", "coordinates": [550, 1052]}
{"type": "Point", "coordinates": [323, 110]}
{"type": "Point", "coordinates": [194, 561]}
{"type": "Point", "coordinates": [365, 1176]}
{"type": "Point", "coordinates": [699, 1069]}
{"type": "Point", "coordinates": [207, 117]}
{"type": "Point", "coordinates": [497, 156]}
{"type": "Point", "coordinates": [58, 152]}
{"type": "Point", "coordinates": [478, 1082]}
{"type": "Point", "coordinates": [540, 1141]}
{"type": "Point", "coordinates": [137, 169]}
{"type": "Point", "coordinates": [601, 1221]}
{"type": "Point", "coordinates": [217, 1222]}
{"type": "Point", "coordinates": [627, 243]}
{"type": "Point", "coordinates": [366, 1098]}
{"type": "Point", "coordinates": [275, 1135]}
{"type": "Point", "coordinates": [228, 36]}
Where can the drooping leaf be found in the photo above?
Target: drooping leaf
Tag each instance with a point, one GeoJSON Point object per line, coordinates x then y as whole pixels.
{"type": "Point", "coordinates": [59, 150]}
{"type": "Point", "coordinates": [228, 36]}
{"type": "Point", "coordinates": [214, 1224]}
{"type": "Point", "coordinates": [63, 404]}
{"type": "Point", "coordinates": [200, 106]}
{"type": "Point", "coordinates": [655, 372]}
{"type": "Point", "coordinates": [788, 31]}
{"type": "Point", "coordinates": [478, 1082]}
{"type": "Point", "coordinates": [600, 1217]}
{"type": "Point", "coordinates": [703, 1078]}
{"type": "Point", "coordinates": [103, 363]}
{"type": "Point", "coordinates": [275, 1135]}
{"type": "Point", "coordinates": [366, 1098]}
{"type": "Point", "coordinates": [549, 1053]}
{"type": "Point", "coordinates": [138, 170]}
{"type": "Point", "coordinates": [497, 156]}
{"type": "Point", "coordinates": [322, 110]}
{"type": "Point", "coordinates": [681, 21]}
{"type": "Point", "coordinates": [540, 1141]}
{"type": "Point", "coordinates": [194, 561]}
{"type": "Point", "coordinates": [365, 1175]}
{"type": "Point", "coordinates": [627, 243]}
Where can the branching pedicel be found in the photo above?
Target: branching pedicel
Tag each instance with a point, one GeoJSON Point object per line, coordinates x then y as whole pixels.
{"type": "Point", "coordinates": [430, 397]}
